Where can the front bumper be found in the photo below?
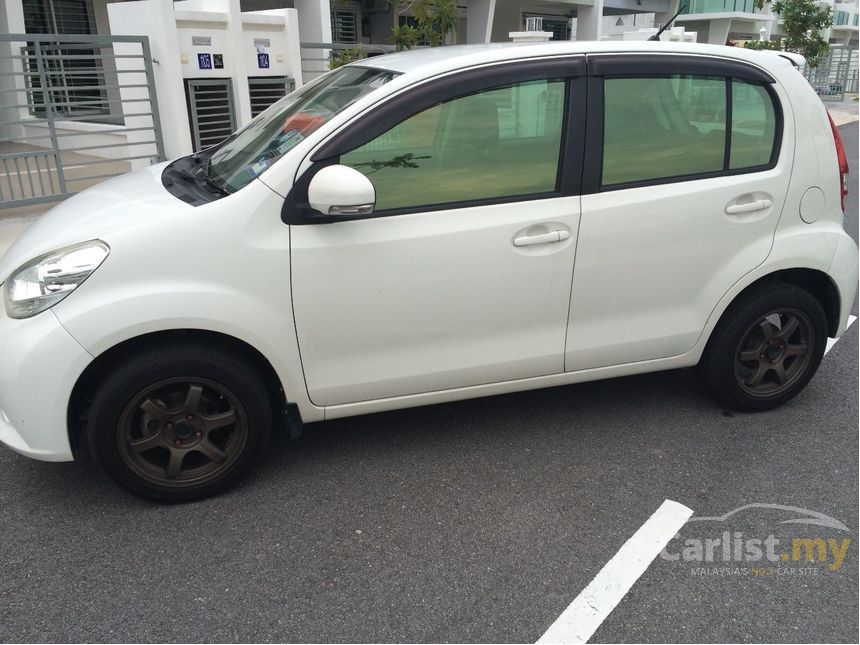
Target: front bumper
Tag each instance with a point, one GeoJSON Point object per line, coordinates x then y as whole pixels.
{"type": "Point", "coordinates": [40, 363]}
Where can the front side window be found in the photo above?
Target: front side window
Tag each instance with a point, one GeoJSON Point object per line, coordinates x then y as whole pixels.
{"type": "Point", "coordinates": [674, 126]}
{"type": "Point", "coordinates": [501, 142]}
{"type": "Point", "coordinates": [270, 135]}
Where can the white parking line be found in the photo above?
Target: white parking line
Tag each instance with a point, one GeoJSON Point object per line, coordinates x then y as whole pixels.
{"type": "Point", "coordinates": [832, 341]}
{"type": "Point", "coordinates": [591, 607]}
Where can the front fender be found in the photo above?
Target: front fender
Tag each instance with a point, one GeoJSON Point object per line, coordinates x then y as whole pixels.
{"type": "Point", "coordinates": [122, 312]}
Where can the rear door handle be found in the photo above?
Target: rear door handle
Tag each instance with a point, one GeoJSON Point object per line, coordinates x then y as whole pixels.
{"type": "Point", "coordinates": [541, 238]}
{"type": "Point", "coordinates": [751, 207]}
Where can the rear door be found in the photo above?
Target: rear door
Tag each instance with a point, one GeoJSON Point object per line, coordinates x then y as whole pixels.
{"type": "Point", "coordinates": [688, 161]}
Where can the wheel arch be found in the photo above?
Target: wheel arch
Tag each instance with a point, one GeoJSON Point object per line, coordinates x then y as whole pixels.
{"type": "Point", "coordinates": [821, 287]}
{"type": "Point", "coordinates": [99, 368]}
{"type": "Point", "coordinates": [814, 281]}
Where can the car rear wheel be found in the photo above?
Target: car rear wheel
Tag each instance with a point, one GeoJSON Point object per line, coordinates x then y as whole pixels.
{"type": "Point", "coordinates": [179, 423]}
{"type": "Point", "coordinates": [766, 348]}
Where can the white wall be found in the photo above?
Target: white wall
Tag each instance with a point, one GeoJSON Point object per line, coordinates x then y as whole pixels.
{"type": "Point", "coordinates": [11, 22]}
{"type": "Point", "coordinates": [314, 27]}
{"type": "Point", "coordinates": [589, 20]}
{"type": "Point", "coordinates": [611, 30]}
{"type": "Point", "coordinates": [589, 24]}
{"type": "Point", "coordinates": [231, 34]}
{"type": "Point", "coordinates": [479, 20]}
{"type": "Point", "coordinates": [281, 28]}
{"type": "Point", "coordinates": [155, 18]}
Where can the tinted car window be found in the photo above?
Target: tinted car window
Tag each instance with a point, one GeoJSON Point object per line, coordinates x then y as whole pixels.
{"type": "Point", "coordinates": [753, 125]}
{"type": "Point", "coordinates": [496, 143]}
{"type": "Point", "coordinates": [674, 126]}
{"type": "Point", "coordinates": [663, 127]}
{"type": "Point", "coordinates": [251, 151]}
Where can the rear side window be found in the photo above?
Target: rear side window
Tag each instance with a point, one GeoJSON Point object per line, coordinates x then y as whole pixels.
{"type": "Point", "coordinates": [677, 126]}
{"type": "Point", "coordinates": [753, 125]}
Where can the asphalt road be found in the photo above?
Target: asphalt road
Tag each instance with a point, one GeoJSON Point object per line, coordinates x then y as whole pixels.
{"type": "Point", "coordinates": [472, 521]}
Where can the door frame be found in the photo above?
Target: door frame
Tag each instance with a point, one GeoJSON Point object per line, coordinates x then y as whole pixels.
{"type": "Point", "coordinates": [411, 101]}
{"type": "Point", "coordinates": [600, 66]}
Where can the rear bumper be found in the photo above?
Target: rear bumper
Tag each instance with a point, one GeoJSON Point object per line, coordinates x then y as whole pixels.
{"type": "Point", "coordinates": [40, 363]}
{"type": "Point", "coordinates": [843, 271]}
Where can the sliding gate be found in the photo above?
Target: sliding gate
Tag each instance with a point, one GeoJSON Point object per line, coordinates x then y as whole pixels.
{"type": "Point", "coordinates": [74, 110]}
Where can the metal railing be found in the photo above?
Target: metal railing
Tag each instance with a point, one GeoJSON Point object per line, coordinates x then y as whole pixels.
{"type": "Point", "coordinates": [74, 110]}
{"type": "Point", "coordinates": [834, 76]}
{"type": "Point", "coordinates": [719, 6]}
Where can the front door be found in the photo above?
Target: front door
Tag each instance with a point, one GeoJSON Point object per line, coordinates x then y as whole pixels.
{"type": "Point", "coordinates": [462, 275]}
{"type": "Point", "coordinates": [695, 168]}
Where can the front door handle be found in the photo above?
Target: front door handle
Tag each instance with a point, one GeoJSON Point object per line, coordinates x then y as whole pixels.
{"type": "Point", "coordinates": [541, 238]}
{"type": "Point", "coordinates": [751, 207]}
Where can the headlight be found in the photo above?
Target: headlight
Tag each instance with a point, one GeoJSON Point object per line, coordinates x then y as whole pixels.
{"type": "Point", "coordinates": [44, 281]}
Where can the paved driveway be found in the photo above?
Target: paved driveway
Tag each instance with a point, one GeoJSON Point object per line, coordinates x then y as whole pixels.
{"type": "Point", "coordinates": [472, 521]}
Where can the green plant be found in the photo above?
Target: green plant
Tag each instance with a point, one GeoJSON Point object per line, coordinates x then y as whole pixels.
{"type": "Point", "coordinates": [446, 17]}
{"type": "Point", "coordinates": [404, 37]}
{"type": "Point", "coordinates": [803, 21]}
{"type": "Point", "coordinates": [763, 44]}
{"type": "Point", "coordinates": [344, 56]}
{"type": "Point", "coordinates": [435, 19]}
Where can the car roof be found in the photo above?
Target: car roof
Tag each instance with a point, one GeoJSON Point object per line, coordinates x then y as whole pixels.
{"type": "Point", "coordinates": [429, 61]}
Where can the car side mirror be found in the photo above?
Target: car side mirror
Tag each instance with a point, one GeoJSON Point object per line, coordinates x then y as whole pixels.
{"type": "Point", "coordinates": [341, 190]}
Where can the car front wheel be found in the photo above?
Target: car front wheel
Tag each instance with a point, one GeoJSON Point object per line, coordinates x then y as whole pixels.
{"type": "Point", "coordinates": [180, 422]}
{"type": "Point", "coordinates": [766, 348]}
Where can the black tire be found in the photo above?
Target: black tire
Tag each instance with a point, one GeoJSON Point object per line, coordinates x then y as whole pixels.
{"type": "Point", "coordinates": [200, 407]}
{"type": "Point", "coordinates": [755, 358]}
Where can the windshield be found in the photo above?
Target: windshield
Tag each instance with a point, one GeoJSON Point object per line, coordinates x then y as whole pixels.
{"type": "Point", "coordinates": [248, 153]}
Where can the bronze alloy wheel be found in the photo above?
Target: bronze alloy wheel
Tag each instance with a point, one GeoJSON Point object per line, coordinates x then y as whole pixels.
{"type": "Point", "coordinates": [182, 431]}
{"type": "Point", "coordinates": [774, 353]}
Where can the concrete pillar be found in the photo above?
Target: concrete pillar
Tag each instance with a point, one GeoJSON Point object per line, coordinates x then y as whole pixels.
{"type": "Point", "coordinates": [11, 22]}
{"type": "Point", "coordinates": [718, 34]}
{"type": "Point", "coordinates": [479, 20]}
{"type": "Point", "coordinates": [662, 17]}
{"type": "Point", "coordinates": [314, 27]}
{"type": "Point", "coordinates": [241, 90]}
{"type": "Point", "coordinates": [157, 20]}
{"type": "Point", "coordinates": [294, 53]}
{"type": "Point", "coordinates": [589, 20]}
{"type": "Point", "coordinates": [507, 17]}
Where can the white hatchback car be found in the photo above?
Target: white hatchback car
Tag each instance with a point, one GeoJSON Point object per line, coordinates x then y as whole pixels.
{"type": "Point", "coordinates": [431, 226]}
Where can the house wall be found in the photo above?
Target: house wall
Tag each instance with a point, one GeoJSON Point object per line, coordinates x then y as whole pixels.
{"type": "Point", "coordinates": [156, 19]}
{"type": "Point", "coordinates": [11, 22]}
{"type": "Point", "coordinates": [314, 27]}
